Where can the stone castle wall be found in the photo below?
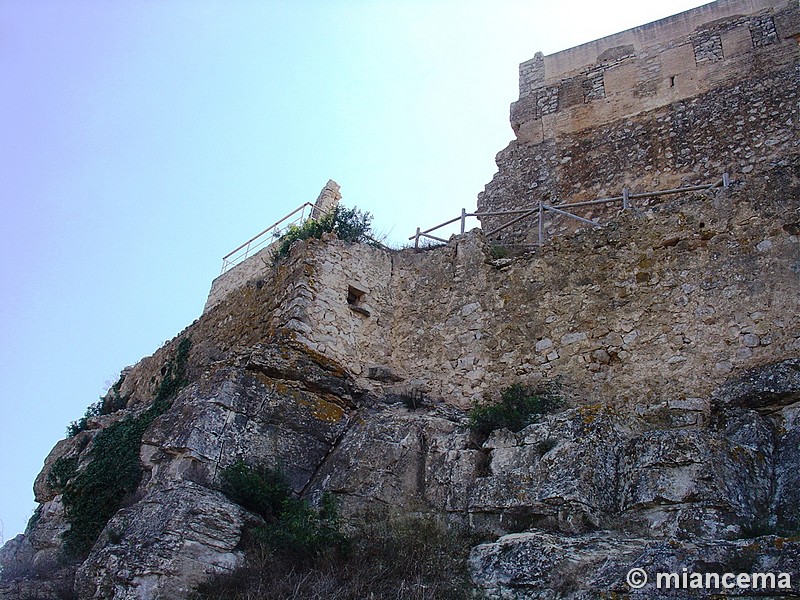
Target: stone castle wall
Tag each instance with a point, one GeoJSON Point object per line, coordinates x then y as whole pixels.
{"type": "Point", "coordinates": [666, 299]}
{"type": "Point", "coordinates": [673, 103]}
{"type": "Point", "coordinates": [653, 65]}
{"type": "Point", "coordinates": [251, 267]}
{"type": "Point", "coordinates": [666, 303]}
{"type": "Point", "coordinates": [649, 324]}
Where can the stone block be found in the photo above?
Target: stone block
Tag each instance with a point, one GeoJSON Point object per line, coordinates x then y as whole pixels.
{"type": "Point", "coordinates": [751, 340]}
{"type": "Point", "coordinates": [736, 41]}
{"type": "Point", "coordinates": [573, 338]}
{"type": "Point", "coordinates": [621, 78]}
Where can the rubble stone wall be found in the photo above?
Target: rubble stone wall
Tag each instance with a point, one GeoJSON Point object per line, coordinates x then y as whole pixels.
{"type": "Point", "coordinates": [667, 301]}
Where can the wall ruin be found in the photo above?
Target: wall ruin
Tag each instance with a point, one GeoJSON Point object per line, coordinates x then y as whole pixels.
{"type": "Point", "coordinates": [250, 268]}
{"type": "Point", "coordinates": [666, 303]}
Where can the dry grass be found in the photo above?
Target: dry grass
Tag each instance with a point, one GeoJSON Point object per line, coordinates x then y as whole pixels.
{"type": "Point", "coordinates": [407, 559]}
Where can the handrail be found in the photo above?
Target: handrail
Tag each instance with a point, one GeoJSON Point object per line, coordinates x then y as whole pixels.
{"type": "Point", "coordinates": [255, 237]}
{"type": "Point", "coordinates": [539, 209]}
{"type": "Point", "coordinates": [248, 246]}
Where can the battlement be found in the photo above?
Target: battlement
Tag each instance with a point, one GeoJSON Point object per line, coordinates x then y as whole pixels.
{"type": "Point", "coordinates": [653, 65]}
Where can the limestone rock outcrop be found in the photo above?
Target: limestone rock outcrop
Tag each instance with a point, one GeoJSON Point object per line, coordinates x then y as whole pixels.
{"type": "Point", "coordinates": [659, 487]}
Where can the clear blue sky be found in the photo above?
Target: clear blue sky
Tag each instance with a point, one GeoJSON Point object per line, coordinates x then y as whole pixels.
{"type": "Point", "coordinates": [142, 140]}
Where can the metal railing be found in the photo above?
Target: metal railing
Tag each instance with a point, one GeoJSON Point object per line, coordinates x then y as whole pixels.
{"type": "Point", "coordinates": [539, 210]}
{"type": "Point", "coordinates": [269, 235]}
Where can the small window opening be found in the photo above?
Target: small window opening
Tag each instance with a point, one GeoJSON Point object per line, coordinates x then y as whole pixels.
{"type": "Point", "coordinates": [672, 81]}
{"type": "Point", "coordinates": [355, 296]}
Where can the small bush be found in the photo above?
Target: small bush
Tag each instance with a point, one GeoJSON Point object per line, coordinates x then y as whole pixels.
{"type": "Point", "coordinates": [259, 490]}
{"type": "Point", "coordinates": [349, 225]}
{"type": "Point", "coordinates": [82, 424]}
{"type": "Point", "coordinates": [498, 251]}
{"type": "Point", "coordinates": [112, 402]}
{"type": "Point", "coordinates": [402, 559]}
{"type": "Point", "coordinates": [519, 406]}
{"type": "Point", "coordinates": [292, 528]}
{"type": "Point", "coordinates": [62, 471]}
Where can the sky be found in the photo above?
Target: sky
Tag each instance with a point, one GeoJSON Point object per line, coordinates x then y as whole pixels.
{"type": "Point", "coordinates": [142, 140]}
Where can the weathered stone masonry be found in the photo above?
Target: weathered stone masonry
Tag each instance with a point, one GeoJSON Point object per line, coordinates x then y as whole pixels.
{"type": "Point", "coordinates": [670, 453]}
{"type": "Point", "coordinates": [669, 298]}
{"type": "Point", "coordinates": [672, 103]}
{"type": "Point", "coordinates": [664, 303]}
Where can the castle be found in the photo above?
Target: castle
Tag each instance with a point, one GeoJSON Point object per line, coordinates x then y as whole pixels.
{"type": "Point", "coordinates": [672, 287]}
{"type": "Point", "coordinates": [675, 102]}
{"type": "Point", "coordinates": [672, 332]}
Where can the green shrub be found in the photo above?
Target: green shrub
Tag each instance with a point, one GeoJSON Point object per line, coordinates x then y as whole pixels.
{"type": "Point", "coordinates": [258, 489]}
{"type": "Point", "coordinates": [91, 496]}
{"type": "Point", "coordinates": [349, 225]}
{"type": "Point", "coordinates": [292, 528]}
{"type": "Point", "coordinates": [62, 471]}
{"type": "Point", "coordinates": [497, 251]}
{"type": "Point", "coordinates": [112, 402]}
{"type": "Point", "coordinates": [96, 493]}
{"type": "Point", "coordinates": [93, 410]}
{"type": "Point", "coordinates": [519, 406]}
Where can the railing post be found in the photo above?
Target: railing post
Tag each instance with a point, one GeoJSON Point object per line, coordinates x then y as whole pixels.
{"type": "Point", "coordinates": [726, 180]}
{"type": "Point", "coordinates": [626, 203]}
{"type": "Point", "coordinates": [541, 223]}
{"type": "Point", "coordinates": [463, 219]}
{"type": "Point", "coordinates": [416, 239]}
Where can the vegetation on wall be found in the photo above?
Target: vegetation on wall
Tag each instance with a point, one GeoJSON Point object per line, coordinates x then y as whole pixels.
{"type": "Point", "coordinates": [93, 494]}
{"type": "Point", "coordinates": [292, 528]}
{"type": "Point", "coordinates": [112, 402]}
{"type": "Point", "coordinates": [349, 224]}
{"type": "Point", "coordinates": [82, 424]}
{"type": "Point", "coordinates": [519, 406]}
{"type": "Point", "coordinates": [497, 251]}
{"type": "Point", "coordinates": [300, 552]}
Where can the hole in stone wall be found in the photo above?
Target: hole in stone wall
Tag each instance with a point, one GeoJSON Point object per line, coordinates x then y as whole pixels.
{"type": "Point", "coordinates": [672, 81]}
{"type": "Point", "coordinates": [354, 295]}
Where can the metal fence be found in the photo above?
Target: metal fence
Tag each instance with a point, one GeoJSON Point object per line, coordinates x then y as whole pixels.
{"type": "Point", "coordinates": [538, 211]}
{"type": "Point", "coordinates": [299, 215]}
